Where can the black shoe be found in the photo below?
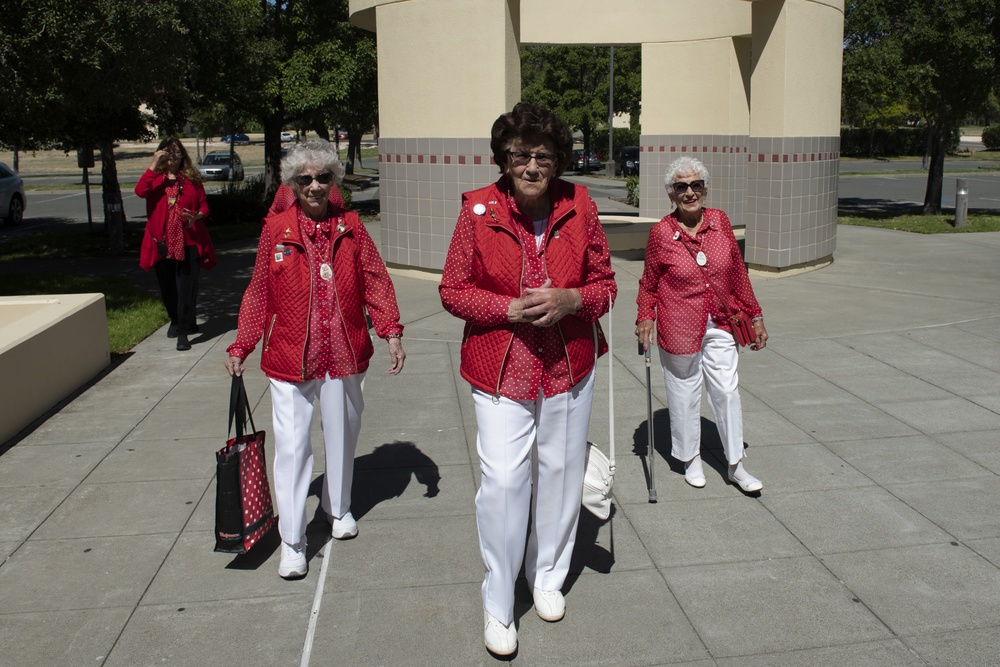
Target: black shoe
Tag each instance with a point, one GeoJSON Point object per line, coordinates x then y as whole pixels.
{"type": "Point", "coordinates": [172, 331]}
{"type": "Point", "coordinates": [183, 343]}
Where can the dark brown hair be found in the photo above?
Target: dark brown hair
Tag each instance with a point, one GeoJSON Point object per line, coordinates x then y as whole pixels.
{"type": "Point", "coordinates": [187, 167]}
{"type": "Point", "coordinates": [534, 124]}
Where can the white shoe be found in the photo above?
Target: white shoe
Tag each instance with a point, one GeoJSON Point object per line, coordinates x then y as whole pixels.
{"type": "Point", "coordinates": [549, 605]}
{"type": "Point", "coordinates": [293, 561]}
{"type": "Point", "coordinates": [345, 527]}
{"type": "Point", "coordinates": [740, 477]}
{"type": "Point", "coordinates": [694, 473]}
{"type": "Point", "coordinates": [500, 639]}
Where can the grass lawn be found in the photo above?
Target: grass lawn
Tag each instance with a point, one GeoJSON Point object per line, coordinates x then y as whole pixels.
{"type": "Point", "coordinates": [924, 224]}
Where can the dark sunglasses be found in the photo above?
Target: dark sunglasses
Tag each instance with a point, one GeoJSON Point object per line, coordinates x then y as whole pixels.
{"type": "Point", "coordinates": [680, 188]}
{"type": "Point", "coordinates": [521, 158]}
{"type": "Point", "coordinates": [305, 181]}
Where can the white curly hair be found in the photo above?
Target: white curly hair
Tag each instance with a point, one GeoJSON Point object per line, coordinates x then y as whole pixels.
{"type": "Point", "coordinates": [683, 166]}
{"type": "Point", "coordinates": [317, 153]}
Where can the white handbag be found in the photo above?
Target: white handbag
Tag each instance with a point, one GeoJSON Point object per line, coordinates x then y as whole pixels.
{"type": "Point", "coordinates": [600, 475]}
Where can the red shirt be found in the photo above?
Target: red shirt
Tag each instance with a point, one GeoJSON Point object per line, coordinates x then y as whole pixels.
{"type": "Point", "coordinates": [673, 289]}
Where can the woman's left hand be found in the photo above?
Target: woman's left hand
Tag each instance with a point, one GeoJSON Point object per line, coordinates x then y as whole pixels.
{"type": "Point", "coordinates": [546, 305]}
{"type": "Point", "coordinates": [761, 342]}
{"type": "Point", "coordinates": [190, 216]}
{"type": "Point", "coordinates": [396, 355]}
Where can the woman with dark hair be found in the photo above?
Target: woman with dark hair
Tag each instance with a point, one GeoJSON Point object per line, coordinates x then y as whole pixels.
{"type": "Point", "coordinates": [176, 243]}
{"type": "Point", "coordinates": [530, 273]}
{"type": "Point", "coordinates": [316, 276]}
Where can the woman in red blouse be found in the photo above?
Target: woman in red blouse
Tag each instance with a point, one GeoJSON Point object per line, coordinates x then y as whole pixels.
{"type": "Point", "coordinates": [176, 242]}
{"type": "Point", "coordinates": [530, 273]}
{"type": "Point", "coordinates": [317, 274]}
{"type": "Point", "coordinates": [688, 252]}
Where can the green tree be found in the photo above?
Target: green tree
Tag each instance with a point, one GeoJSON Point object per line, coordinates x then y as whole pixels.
{"type": "Point", "coordinates": [573, 82]}
{"type": "Point", "coordinates": [938, 57]}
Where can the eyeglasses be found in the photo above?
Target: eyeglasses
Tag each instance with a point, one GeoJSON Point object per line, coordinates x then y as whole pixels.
{"type": "Point", "coordinates": [680, 187]}
{"type": "Point", "coordinates": [305, 180]}
{"type": "Point", "coordinates": [521, 158]}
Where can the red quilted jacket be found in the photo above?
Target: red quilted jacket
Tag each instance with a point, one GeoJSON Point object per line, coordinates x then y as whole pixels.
{"type": "Point", "coordinates": [277, 301]}
{"type": "Point", "coordinates": [485, 268]}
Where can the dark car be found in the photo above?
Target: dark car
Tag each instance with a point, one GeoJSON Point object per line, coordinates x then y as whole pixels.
{"type": "Point", "coordinates": [216, 167]}
{"type": "Point", "coordinates": [12, 200]}
{"type": "Point", "coordinates": [238, 138]}
{"type": "Point", "coordinates": [627, 163]}
{"type": "Point", "coordinates": [592, 163]}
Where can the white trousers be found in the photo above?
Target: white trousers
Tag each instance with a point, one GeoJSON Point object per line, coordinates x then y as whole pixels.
{"type": "Point", "coordinates": [341, 402]}
{"type": "Point", "coordinates": [524, 444]}
{"type": "Point", "coordinates": [683, 373]}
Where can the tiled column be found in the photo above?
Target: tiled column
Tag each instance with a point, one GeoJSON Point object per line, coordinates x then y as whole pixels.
{"type": "Point", "coordinates": [452, 69]}
{"type": "Point", "coordinates": [694, 102]}
{"type": "Point", "coordinates": [794, 143]}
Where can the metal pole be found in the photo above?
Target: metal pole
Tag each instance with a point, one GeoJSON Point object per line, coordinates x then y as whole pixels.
{"type": "Point", "coordinates": [610, 164]}
{"type": "Point", "coordinates": [90, 215]}
{"type": "Point", "coordinates": [961, 202]}
{"type": "Point", "coordinates": [650, 449]}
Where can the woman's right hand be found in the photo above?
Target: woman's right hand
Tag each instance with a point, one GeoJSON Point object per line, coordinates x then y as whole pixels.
{"type": "Point", "coordinates": [644, 332]}
{"type": "Point", "coordinates": [159, 158]}
{"type": "Point", "coordinates": [234, 365]}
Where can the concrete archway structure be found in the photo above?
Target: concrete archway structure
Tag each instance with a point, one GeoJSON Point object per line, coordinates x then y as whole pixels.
{"type": "Point", "coordinates": [750, 87]}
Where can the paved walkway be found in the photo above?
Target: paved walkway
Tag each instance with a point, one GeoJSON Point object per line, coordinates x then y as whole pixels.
{"type": "Point", "coordinates": [873, 418]}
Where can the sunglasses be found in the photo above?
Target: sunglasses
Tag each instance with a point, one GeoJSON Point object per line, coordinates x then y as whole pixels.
{"type": "Point", "coordinates": [680, 188]}
{"type": "Point", "coordinates": [323, 179]}
{"type": "Point", "coordinates": [521, 158]}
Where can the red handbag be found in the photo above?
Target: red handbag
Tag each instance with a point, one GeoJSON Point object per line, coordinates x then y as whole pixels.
{"type": "Point", "coordinates": [243, 509]}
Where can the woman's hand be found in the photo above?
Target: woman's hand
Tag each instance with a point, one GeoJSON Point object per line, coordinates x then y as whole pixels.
{"type": "Point", "coordinates": [546, 305]}
{"type": "Point", "coordinates": [644, 332]}
{"type": "Point", "coordinates": [234, 365]}
{"type": "Point", "coordinates": [159, 159]}
{"type": "Point", "coordinates": [761, 342]}
{"type": "Point", "coordinates": [190, 216]}
{"type": "Point", "coordinates": [396, 355]}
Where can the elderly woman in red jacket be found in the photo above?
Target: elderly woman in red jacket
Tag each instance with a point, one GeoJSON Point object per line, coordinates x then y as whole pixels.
{"type": "Point", "coordinates": [317, 273]}
{"type": "Point", "coordinates": [691, 253]}
{"type": "Point", "coordinates": [176, 243]}
{"type": "Point", "coordinates": [530, 273]}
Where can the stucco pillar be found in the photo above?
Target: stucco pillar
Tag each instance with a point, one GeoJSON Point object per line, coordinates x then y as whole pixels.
{"type": "Point", "coordinates": [794, 145]}
{"type": "Point", "coordinates": [695, 101]}
{"type": "Point", "coordinates": [447, 69]}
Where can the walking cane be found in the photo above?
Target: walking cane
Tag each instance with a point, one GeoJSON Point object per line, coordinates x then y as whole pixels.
{"type": "Point", "coordinates": [650, 451]}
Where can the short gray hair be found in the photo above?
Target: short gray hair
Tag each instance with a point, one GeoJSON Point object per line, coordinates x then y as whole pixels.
{"type": "Point", "coordinates": [317, 153]}
{"type": "Point", "coordinates": [682, 166]}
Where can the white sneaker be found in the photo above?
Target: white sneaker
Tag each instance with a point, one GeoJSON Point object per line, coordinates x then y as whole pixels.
{"type": "Point", "coordinates": [549, 605]}
{"type": "Point", "coordinates": [345, 527]}
{"type": "Point", "coordinates": [500, 639]}
{"type": "Point", "coordinates": [293, 561]}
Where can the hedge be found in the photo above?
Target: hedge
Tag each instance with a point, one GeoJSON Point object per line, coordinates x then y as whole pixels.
{"type": "Point", "coordinates": [991, 137]}
{"type": "Point", "coordinates": [888, 142]}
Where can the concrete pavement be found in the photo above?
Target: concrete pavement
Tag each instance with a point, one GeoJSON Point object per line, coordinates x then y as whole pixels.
{"type": "Point", "coordinates": [873, 419]}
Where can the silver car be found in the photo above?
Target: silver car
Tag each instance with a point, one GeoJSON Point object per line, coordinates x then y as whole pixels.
{"type": "Point", "coordinates": [12, 202]}
{"type": "Point", "coordinates": [216, 167]}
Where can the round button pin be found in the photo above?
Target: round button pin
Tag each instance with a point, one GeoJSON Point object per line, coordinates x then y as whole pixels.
{"type": "Point", "coordinates": [479, 209]}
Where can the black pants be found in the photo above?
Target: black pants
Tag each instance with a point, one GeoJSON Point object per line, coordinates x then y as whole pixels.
{"type": "Point", "coordinates": [179, 288]}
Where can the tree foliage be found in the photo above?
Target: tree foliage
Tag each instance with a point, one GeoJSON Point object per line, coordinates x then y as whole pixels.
{"type": "Point", "coordinates": [938, 58]}
{"type": "Point", "coordinates": [573, 81]}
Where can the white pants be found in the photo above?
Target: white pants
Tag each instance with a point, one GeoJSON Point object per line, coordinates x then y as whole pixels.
{"type": "Point", "coordinates": [683, 373]}
{"type": "Point", "coordinates": [341, 402]}
{"type": "Point", "coordinates": [524, 444]}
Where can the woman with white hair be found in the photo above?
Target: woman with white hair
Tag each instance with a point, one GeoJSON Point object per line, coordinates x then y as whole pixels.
{"type": "Point", "coordinates": [317, 273]}
{"type": "Point", "coordinates": [693, 263]}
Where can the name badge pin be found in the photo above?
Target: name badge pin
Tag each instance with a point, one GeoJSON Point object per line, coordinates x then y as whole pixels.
{"type": "Point", "coordinates": [479, 209]}
{"type": "Point", "coordinates": [279, 257]}
{"type": "Point", "coordinates": [325, 272]}
{"type": "Point", "coordinates": [701, 258]}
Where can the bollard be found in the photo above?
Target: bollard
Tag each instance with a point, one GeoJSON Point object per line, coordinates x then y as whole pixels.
{"type": "Point", "coordinates": [961, 202]}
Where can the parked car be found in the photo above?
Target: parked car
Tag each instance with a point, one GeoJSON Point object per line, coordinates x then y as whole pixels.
{"type": "Point", "coordinates": [286, 137]}
{"type": "Point", "coordinates": [592, 163]}
{"type": "Point", "coordinates": [12, 201]}
{"type": "Point", "coordinates": [627, 163]}
{"type": "Point", "coordinates": [238, 138]}
{"type": "Point", "coordinates": [216, 167]}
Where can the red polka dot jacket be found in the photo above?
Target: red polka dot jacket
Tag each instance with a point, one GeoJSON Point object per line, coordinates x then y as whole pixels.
{"type": "Point", "coordinates": [493, 257]}
{"type": "Point", "coordinates": [673, 290]}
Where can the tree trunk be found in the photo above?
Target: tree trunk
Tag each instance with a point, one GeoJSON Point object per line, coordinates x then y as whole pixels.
{"type": "Point", "coordinates": [935, 171]}
{"type": "Point", "coordinates": [272, 153]}
{"type": "Point", "coordinates": [17, 159]}
{"type": "Point", "coordinates": [114, 212]}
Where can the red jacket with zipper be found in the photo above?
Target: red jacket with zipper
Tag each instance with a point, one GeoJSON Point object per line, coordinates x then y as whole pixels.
{"type": "Point", "coordinates": [485, 270]}
{"type": "Point", "coordinates": [277, 301]}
